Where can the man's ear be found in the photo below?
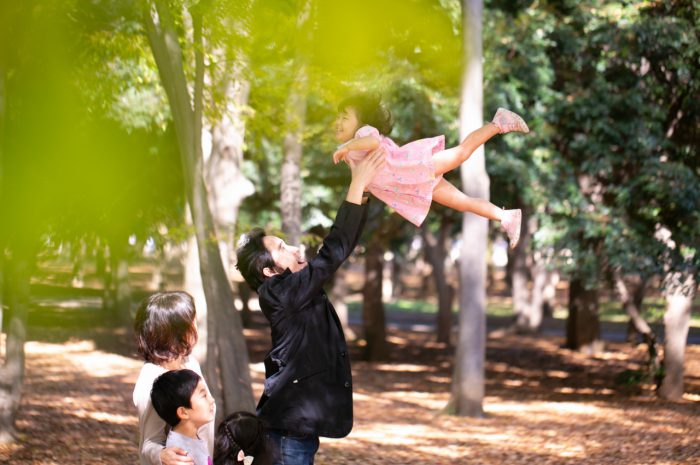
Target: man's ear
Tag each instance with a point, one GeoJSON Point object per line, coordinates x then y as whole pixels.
{"type": "Point", "coordinates": [269, 272]}
{"type": "Point", "coordinates": [182, 413]}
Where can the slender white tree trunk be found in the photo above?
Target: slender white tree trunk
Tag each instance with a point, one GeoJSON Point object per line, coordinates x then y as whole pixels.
{"type": "Point", "coordinates": [226, 368]}
{"type": "Point", "coordinates": [290, 185]}
{"type": "Point", "coordinates": [679, 301]}
{"type": "Point", "coordinates": [2, 160]}
{"type": "Point", "coordinates": [226, 184]}
{"type": "Point", "coordinates": [12, 370]}
{"type": "Point", "coordinates": [295, 119]}
{"type": "Point", "coordinates": [468, 379]}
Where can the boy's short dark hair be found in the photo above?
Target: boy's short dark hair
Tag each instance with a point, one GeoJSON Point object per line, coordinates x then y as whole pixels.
{"type": "Point", "coordinates": [164, 326]}
{"type": "Point", "coordinates": [253, 257]}
{"type": "Point", "coordinates": [172, 390]}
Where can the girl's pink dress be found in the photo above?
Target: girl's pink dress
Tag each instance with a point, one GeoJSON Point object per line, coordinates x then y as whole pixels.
{"type": "Point", "coordinates": [407, 180]}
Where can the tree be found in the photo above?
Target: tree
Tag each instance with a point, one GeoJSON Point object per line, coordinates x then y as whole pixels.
{"type": "Point", "coordinates": [295, 115]}
{"type": "Point", "coordinates": [468, 379]}
{"type": "Point", "coordinates": [436, 253]}
{"type": "Point", "coordinates": [29, 107]}
{"type": "Point", "coordinates": [680, 293]}
{"type": "Point", "coordinates": [226, 367]}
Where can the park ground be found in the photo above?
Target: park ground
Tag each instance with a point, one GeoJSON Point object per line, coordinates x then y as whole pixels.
{"type": "Point", "coordinates": [543, 404]}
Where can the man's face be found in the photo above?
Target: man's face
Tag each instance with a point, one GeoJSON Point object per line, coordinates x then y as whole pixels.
{"type": "Point", "coordinates": [346, 124]}
{"type": "Point", "coordinates": [284, 255]}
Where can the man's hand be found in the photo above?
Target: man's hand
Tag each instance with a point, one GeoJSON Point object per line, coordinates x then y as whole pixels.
{"type": "Point", "coordinates": [175, 456]}
{"type": "Point", "coordinates": [363, 172]}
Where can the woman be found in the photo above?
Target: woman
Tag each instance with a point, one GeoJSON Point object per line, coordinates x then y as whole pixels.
{"type": "Point", "coordinates": [166, 332]}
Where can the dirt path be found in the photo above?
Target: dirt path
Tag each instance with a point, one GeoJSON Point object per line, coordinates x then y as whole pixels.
{"type": "Point", "coordinates": [544, 405]}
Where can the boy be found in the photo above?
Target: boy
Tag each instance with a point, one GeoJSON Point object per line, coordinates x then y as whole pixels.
{"type": "Point", "coordinates": [183, 401]}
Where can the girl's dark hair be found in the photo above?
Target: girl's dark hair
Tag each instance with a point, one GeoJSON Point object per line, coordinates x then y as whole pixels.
{"type": "Point", "coordinates": [172, 390]}
{"type": "Point", "coordinates": [165, 326]}
{"type": "Point", "coordinates": [240, 431]}
{"type": "Point", "coordinates": [370, 111]}
{"type": "Point", "coordinates": [253, 257]}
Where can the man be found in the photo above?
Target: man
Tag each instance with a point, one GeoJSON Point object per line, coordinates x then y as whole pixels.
{"type": "Point", "coordinates": [308, 385]}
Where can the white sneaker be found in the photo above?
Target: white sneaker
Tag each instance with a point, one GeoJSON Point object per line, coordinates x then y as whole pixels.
{"type": "Point", "coordinates": [507, 121]}
{"type": "Point", "coordinates": [511, 225]}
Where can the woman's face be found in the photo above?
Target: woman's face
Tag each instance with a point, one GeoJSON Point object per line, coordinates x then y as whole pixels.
{"type": "Point", "coordinates": [346, 124]}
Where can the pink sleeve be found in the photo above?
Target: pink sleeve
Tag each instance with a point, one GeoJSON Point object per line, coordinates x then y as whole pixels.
{"type": "Point", "coordinates": [367, 130]}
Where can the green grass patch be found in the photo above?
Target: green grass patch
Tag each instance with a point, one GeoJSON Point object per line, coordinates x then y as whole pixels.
{"type": "Point", "coordinates": [611, 311]}
{"type": "Point", "coordinates": [425, 307]}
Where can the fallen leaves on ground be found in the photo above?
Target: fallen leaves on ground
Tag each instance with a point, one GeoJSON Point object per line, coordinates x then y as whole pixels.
{"type": "Point", "coordinates": [543, 404]}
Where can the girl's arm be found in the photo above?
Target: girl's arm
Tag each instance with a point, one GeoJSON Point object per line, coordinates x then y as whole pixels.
{"type": "Point", "coordinates": [365, 143]}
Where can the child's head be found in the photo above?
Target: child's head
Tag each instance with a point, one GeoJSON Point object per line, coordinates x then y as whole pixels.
{"type": "Point", "coordinates": [240, 434]}
{"type": "Point", "coordinates": [360, 110]}
{"type": "Point", "coordinates": [165, 327]}
{"type": "Point", "coordinates": [181, 395]}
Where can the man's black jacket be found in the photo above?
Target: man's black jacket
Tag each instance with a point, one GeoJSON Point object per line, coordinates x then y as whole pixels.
{"type": "Point", "coordinates": [308, 385]}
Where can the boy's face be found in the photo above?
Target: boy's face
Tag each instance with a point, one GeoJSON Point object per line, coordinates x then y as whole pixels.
{"type": "Point", "coordinates": [202, 410]}
{"type": "Point", "coordinates": [346, 124]}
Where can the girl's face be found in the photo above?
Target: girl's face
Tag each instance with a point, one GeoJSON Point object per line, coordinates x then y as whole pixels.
{"type": "Point", "coordinates": [346, 124]}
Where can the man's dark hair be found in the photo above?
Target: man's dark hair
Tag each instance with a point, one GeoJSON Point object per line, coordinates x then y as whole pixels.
{"type": "Point", "coordinates": [253, 257]}
{"type": "Point", "coordinates": [172, 390]}
{"type": "Point", "coordinates": [370, 111]}
{"type": "Point", "coordinates": [164, 326]}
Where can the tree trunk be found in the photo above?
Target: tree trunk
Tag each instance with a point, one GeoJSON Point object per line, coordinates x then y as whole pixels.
{"type": "Point", "coordinates": [520, 279]}
{"type": "Point", "coordinates": [121, 288]}
{"type": "Point", "coordinates": [2, 161]}
{"type": "Point", "coordinates": [468, 379]}
{"type": "Point", "coordinates": [226, 184]}
{"type": "Point", "coordinates": [339, 294]}
{"type": "Point", "coordinates": [295, 119]}
{"type": "Point", "coordinates": [630, 290]}
{"type": "Point", "coordinates": [529, 266]}
{"type": "Point", "coordinates": [12, 370]}
{"type": "Point", "coordinates": [582, 323]}
{"type": "Point", "coordinates": [373, 317]}
{"type": "Point", "coordinates": [542, 296]}
{"type": "Point", "coordinates": [193, 286]}
{"type": "Point", "coordinates": [245, 293]}
{"type": "Point", "coordinates": [290, 183]}
{"type": "Point", "coordinates": [227, 370]}
{"type": "Point", "coordinates": [436, 253]}
{"type": "Point", "coordinates": [679, 299]}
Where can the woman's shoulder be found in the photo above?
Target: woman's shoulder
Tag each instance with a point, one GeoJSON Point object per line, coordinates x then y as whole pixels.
{"type": "Point", "coordinates": [192, 364]}
{"type": "Point", "coordinates": [150, 371]}
{"type": "Point", "coordinates": [144, 383]}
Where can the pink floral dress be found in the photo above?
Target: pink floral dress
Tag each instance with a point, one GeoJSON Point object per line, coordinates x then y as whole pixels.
{"type": "Point", "coordinates": [407, 180]}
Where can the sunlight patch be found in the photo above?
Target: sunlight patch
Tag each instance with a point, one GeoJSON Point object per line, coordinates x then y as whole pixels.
{"type": "Point", "coordinates": [405, 367]}
{"type": "Point", "coordinates": [105, 417]}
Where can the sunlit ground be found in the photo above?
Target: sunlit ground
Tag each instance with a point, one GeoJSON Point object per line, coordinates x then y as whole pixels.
{"type": "Point", "coordinates": [543, 405]}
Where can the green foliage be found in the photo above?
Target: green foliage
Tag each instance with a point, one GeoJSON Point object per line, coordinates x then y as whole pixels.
{"type": "Point", "coordinates": [609, 90]}
{"type": "Point", "coordinates": [618, 126]}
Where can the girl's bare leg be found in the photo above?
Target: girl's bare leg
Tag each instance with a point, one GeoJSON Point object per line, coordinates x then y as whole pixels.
{"type": "Point", "coordinates": [448, 195]}
{"type": "Point", "coordinates": [445, 193]}
{"type": "Point", "coordinates": [449, 159]}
